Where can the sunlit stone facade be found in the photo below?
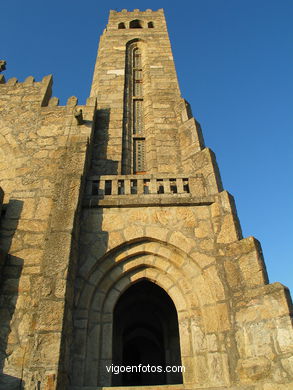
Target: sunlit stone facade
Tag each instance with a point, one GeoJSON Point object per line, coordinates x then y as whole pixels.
{"type": "Point", "coordinates": [119, 244]}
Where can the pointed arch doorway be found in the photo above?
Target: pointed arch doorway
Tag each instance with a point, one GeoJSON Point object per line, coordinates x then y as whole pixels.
{"type": "Point", "coordinates": [145, 334]}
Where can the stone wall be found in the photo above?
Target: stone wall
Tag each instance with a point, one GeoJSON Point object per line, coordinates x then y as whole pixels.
{"type": "Point", "coordinates": [78, 232]}
{"type": "Point", "coordinates": [2, 253]}
{"type": "Point", "coordinates": [234, 327]}
{"type": "Point", "coordinates": [43, 154]}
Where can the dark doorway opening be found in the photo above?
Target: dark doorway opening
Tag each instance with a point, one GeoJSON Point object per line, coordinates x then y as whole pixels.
{"type": "Point", "coordinates": [145, 337]}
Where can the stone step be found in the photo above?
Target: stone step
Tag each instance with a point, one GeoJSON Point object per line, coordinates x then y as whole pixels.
{"type": "Point", "coordinates": [154, 387]}
{"type": "Point", "coordinates": [167, 387]}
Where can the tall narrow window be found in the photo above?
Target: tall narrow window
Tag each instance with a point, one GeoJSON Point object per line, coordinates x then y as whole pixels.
{"type": "Point", "coordinates": [133, 144]}
{"type": "Point", "coordinates": [137, 113]}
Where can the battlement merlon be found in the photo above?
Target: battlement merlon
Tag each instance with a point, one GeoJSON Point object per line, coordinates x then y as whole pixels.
{"type": "Point", "coordinates": [39, 92]}
{"type": "Point", "coordinates": [2, 65]}
{"type": "Point", "coordinates": [136, 19]}
{"type": "Point", "coordinates": [135, 12]}
{"type": "Point", "coordinates": [29, 90]}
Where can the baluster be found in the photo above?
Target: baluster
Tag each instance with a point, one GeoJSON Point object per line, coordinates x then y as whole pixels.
{"type": "Point", "coordinates": [153, 186]}
{"type": "Point", "coordinates": [127, 187]}
{"type": "Point", "coordinates": [102, 187]}
{"type": "Point", "coordinates": [166, 184]}
{"type": "Point", "coordinates": [114, 187]}
{"type": "Point", "coordinates": [139, 186]}
{"type": "Point", "coordinates": [179, 183]}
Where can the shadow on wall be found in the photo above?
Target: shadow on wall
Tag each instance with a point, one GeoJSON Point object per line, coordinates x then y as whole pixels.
{"type": "Point", "coordinates": [100, 165]}
{"type": "Point", "coordinates": [9, 288]}
{"type": "Point", "coordinates": [88, 244]}
{"type": "Point", "coordinates": [71, 359]}
{"type": "Point", "coordinates": [91, 249]}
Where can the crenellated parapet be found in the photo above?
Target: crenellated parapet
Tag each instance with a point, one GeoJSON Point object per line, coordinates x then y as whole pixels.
{"type": "Point", "coordinates": [13, 92]}
{"type": "Point", "coordinates": [36, 135]}
{"type": "Point", "coordinates": [136, 19]}
{"type": "Point", "coordinates": [27, 92]}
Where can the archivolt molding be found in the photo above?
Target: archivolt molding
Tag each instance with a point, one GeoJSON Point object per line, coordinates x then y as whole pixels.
{"type": "Point", "coordinates": [139, 43]}
{"type": "Point", "coordinates": [116, 276]}
{"type": "Point", "coordinates": [151, 273]}
{"type": "Point", "coordinates": [147, 251]}
{"type": "Point", "coordinates": [160, 262]}
{"type": "Point", "coordinates": [135, 41]}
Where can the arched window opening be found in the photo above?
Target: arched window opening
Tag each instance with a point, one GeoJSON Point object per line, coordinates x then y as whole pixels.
{"type": "Point", "coordinates": [121, 25]}
{"type": "Point", "coordinates": [136, 24]}
{"type": "Point", "coordinates": [151, 25]}
{"type": "Point", "coordinates": [145, 331]}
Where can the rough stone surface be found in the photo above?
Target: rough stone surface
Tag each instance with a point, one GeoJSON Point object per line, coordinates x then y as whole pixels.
{"type": "Point", "coordinates": [80, 226]}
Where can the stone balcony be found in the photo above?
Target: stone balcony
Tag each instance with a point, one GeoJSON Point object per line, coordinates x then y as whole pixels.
{"type": "Point", "coordinates": [146, 189]}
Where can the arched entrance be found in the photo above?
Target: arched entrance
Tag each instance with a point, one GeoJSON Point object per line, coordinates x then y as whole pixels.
{"type": "Point", "coordinates": [145, 334]}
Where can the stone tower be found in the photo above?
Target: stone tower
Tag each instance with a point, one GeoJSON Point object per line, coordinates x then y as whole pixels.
{"type": "Point", "coordinates": [119, 245]}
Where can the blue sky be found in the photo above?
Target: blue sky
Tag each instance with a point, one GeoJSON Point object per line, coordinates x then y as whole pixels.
{"type": "Point", "coordinates": [234, 61]}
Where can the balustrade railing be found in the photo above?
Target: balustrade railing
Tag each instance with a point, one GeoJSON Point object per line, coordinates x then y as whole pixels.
{"type": "Point", "coordinates": [144, 185]}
